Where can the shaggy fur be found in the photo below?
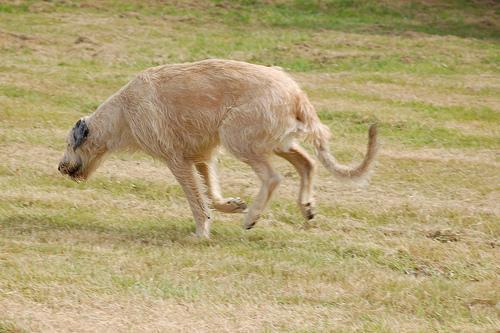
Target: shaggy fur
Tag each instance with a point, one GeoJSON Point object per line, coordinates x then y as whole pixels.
{"type": "Point", "coordinates": [181, 113]}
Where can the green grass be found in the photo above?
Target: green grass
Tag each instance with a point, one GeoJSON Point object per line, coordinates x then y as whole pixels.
{"type": "Point", "coordinates": [415, 251]}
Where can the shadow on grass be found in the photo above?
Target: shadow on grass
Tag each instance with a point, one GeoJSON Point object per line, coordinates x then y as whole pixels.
{"type": "Point", "coordinates": [147, 232]}
{"type": "Point", "coordinates": [141, 232]}
{"type": "Point", "coordinates": [267, 244]}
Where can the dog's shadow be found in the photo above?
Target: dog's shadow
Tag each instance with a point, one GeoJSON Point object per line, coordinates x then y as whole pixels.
{"type": "Point", "coordinates": [161, 233]}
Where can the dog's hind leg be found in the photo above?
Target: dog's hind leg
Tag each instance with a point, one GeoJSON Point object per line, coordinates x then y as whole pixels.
{"type": "Point", "coordinates": [208, 171]}
{"type": "Point", "coordinates": [304, 165]}
{"type": "Point", "coordinates": [269, 181]}
{"type": "Point", "coordinates": [251, 135]}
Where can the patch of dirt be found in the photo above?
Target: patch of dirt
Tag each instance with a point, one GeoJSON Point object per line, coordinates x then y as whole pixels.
{"type": "Point", "coordinates": [327, 56]}
{"type": "Point", "coordinates": [8, 38]}
{"type": "Point", "coordinates": [16, 35]}
{"type": "Point", "coordinates": [83, 39]}
{"type": "Point", "coordinates": [130, 15]}
{"type": "Point", "coordinates": [444, 236]}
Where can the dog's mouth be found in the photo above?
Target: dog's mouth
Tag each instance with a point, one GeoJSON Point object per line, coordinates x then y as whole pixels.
{"type": "Point", "coordinates": [73, 172]}
{"type": "Point", "coordinates": [76, 174]}
{"type": "Point", "coordinates": [77, 171]}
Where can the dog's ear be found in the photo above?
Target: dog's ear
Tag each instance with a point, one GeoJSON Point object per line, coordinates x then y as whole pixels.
{"type": "Point", "coordinates": [80, 132]}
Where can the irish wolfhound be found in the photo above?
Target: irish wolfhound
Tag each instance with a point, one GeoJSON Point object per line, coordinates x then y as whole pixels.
{"type": "Point", "coordinates": [181, 113]}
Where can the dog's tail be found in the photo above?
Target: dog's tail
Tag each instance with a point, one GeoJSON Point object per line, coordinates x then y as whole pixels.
{"type": "Point", "coordinates": [319, 134]}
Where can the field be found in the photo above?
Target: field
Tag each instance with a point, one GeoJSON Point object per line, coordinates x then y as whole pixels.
{"type": "Point", "coordinates": [415, 251]}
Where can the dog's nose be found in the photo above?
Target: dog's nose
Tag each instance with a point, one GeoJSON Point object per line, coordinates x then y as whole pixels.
{"type": "Point", "coordinates": [63, 168]}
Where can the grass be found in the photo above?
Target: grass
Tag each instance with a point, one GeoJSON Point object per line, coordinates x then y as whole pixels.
{"type": "Point", "coordinates": [416, 251]}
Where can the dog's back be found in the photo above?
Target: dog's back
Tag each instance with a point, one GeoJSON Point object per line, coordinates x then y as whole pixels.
{"type": "Point", "coordinates": [195, 104]}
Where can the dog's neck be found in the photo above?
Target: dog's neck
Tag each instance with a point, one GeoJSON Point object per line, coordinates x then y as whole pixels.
{"type": "Point", "coordinates": [111, 129]}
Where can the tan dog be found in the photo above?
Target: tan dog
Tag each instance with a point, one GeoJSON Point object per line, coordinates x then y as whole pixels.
{"type": "Point", "coordinates": [181, 113]}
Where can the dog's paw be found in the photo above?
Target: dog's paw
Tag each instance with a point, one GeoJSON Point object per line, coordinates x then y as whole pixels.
{"type": "Point", "coordinates": [308, 210]}
{"type": "Point", "coordinates": [231, 205]}
{"type": "Point", "coordinates": [249, 221]}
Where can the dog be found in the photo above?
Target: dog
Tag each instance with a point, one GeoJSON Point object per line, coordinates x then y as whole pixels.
{"type": "Point", "coordinates": [181, 113]}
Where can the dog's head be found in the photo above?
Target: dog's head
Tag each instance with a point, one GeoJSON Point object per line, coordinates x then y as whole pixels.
{"type": "Point", "coordinates": [83, 152]}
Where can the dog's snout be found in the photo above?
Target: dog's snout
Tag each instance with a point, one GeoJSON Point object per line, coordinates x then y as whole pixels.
{"type": "Point", "coordinates": [63, 168]}
{"type": "Point", "coordinates": [69, 169]}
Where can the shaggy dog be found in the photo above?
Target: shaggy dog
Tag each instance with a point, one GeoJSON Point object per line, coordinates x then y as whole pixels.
{"type": "Point", "coordinates": [181, 113]}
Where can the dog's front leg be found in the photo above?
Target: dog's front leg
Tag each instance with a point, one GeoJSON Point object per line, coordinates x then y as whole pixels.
{"type": "Point", "coordinates": [189, 180]}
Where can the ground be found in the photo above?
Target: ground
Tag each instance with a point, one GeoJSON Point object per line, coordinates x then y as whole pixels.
{"type": "Point", "coordinates": [415, 251]}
